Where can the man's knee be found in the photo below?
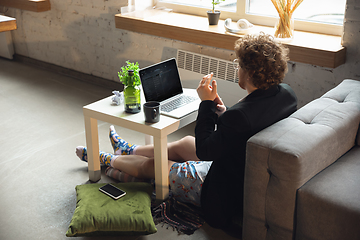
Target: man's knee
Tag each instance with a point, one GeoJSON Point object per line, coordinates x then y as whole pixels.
{"type": "Point", "coordinates": [187, 140]}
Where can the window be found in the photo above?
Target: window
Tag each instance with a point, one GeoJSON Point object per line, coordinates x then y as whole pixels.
{"type": "Point", "coordinates": [323, 16]}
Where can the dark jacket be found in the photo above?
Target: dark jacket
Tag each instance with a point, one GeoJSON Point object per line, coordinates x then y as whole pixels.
{"type": "Point", "coordinates": [222, 191]}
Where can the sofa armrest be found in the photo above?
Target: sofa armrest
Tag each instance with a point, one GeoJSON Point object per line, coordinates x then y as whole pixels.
{"type": "Point", "coordinates": [284, 156]}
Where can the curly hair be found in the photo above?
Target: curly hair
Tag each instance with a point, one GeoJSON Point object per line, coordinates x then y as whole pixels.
{"type": "Point", "coordinates": [263, 58]}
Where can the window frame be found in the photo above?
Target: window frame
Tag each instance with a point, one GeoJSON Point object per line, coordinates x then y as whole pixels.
{"type": "Point", "coordinates": [300, 25]}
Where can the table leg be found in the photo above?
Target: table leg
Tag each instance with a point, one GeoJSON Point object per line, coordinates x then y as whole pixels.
{"type": "Point", "coordinates": [149, 139]}
{"type": "Point", "coordinates": [161, 168]}
{"type": "Point", "coordinates": [92, 144]}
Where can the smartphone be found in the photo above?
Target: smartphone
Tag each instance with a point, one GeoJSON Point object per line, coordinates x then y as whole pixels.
{"type": "Point", "coordinates": [112, 191]}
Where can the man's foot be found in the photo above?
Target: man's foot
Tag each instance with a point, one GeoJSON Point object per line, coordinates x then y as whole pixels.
{"type": "Point", "coordinates": [81, 153]}
{"type": "Point", "coordinates": [120, 146]}
{"type": "Point", "coordinates": [105, 158]}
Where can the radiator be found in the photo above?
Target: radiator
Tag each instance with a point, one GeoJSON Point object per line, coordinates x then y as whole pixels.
{"type": "Point", "coordinates": [192, 67]}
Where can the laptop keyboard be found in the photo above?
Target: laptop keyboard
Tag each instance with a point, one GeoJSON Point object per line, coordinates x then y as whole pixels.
{"type": "Point", "coordinates": [176, 103]}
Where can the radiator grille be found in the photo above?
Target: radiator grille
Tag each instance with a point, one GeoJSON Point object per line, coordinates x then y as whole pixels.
{"type": "Point", "coordinates": [198, 63]}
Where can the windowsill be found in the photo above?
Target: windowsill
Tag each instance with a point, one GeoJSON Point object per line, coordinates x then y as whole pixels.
{"type": "Point", "coordinates": [30, 5]}
{"type": "Point", "coordinates": [7, 23]}
{"type": "Point", "coordinates": [311, 48]}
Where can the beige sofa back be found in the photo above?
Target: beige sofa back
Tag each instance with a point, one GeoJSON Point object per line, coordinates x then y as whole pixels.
{"type": "Point", "coordinates": [284, 156]}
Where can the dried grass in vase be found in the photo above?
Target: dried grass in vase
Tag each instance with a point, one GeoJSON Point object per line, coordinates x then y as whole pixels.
{"type": "Point", "coordinates": [285, 8]}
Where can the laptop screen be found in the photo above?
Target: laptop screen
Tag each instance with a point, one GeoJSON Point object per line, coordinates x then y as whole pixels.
{"type": "Point", "coordinates": [161, 81]}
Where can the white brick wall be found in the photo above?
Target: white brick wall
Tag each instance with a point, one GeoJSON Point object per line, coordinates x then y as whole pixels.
{"type": "Point", "coordinates": [81, 35]}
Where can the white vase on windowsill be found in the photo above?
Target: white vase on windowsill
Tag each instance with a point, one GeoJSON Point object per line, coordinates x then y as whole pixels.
{"type": "Point", "coordinates": [284, 28]}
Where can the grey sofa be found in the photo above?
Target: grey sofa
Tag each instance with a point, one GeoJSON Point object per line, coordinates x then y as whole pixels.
{"type": "Point", "coordinates": [302, 176]}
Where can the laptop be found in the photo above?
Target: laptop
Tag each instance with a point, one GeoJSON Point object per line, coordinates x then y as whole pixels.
{"type": "Point", "coordinates": [161, 82]}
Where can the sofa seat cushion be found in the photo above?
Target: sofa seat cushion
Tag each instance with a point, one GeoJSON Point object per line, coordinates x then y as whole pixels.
{"type": "Point", "coordinates": [328, 206]}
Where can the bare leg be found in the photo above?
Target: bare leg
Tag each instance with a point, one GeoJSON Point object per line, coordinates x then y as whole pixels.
{"type": "Point", "coordinates": [178, 151]}
{"type": "Point", "coordinates": [136, 166]}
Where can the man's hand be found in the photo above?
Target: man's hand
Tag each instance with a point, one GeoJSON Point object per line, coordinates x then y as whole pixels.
{"type": "Point", "coordinates": [205, 90]}
{"type": "Point", "coordinates": [220, 107]}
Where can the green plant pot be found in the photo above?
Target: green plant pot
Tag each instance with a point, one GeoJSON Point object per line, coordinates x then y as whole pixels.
{"type": "Point", "coordinates": [132, 101]}
{"type": "Point", "coordinates": [213, 17]}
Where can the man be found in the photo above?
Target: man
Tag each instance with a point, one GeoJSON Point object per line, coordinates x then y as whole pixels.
{"type": "Point", "coordinates": [208, 170]}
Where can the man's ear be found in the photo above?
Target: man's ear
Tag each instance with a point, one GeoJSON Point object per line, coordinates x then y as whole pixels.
{"type": "Point", "coordinates": [250, 75]}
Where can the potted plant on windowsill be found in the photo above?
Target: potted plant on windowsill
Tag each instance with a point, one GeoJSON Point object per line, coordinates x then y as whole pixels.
{"type": "Point", "coordinates": [129, 76]}
{"type": "Point", "coordinates": [214, 15]}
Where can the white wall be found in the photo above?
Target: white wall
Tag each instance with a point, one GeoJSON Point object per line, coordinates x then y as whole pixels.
{"type": "Point", "coordinates": [81, 35]}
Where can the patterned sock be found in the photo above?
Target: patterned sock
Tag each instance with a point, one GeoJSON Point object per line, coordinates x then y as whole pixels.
{"type": "Point", "coordinates": [105, 158]}
{"type": "Point", "coordinates": [81, 153]}
{"type": "Point", "coordinates": [120, 146]}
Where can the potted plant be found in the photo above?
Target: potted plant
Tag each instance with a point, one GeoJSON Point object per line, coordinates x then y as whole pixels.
{"type": "Point", "coordinates": [129, 76]}
{"type": "Point", "coordinates": [214, 15]}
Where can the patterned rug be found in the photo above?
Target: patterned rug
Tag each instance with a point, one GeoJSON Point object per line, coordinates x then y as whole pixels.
{"type": "Point", "coordinates": [184, 218]}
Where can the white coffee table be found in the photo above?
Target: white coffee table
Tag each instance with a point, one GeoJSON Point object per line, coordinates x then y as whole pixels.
{"type": "Point", "coordinates": [103, 110]}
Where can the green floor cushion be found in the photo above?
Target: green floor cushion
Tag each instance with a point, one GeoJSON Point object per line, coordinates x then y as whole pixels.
{"type": "Point", "coordinates": [98, 214]}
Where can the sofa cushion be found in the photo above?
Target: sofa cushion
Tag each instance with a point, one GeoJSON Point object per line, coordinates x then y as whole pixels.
{"type": "Point", "coordinates": [347, 91]}
{"type": "Point", "coordinates": [328, 205]}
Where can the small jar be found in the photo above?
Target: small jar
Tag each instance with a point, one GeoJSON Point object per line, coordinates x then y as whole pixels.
{"type": "Point", "coordinates": [132, 102]}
